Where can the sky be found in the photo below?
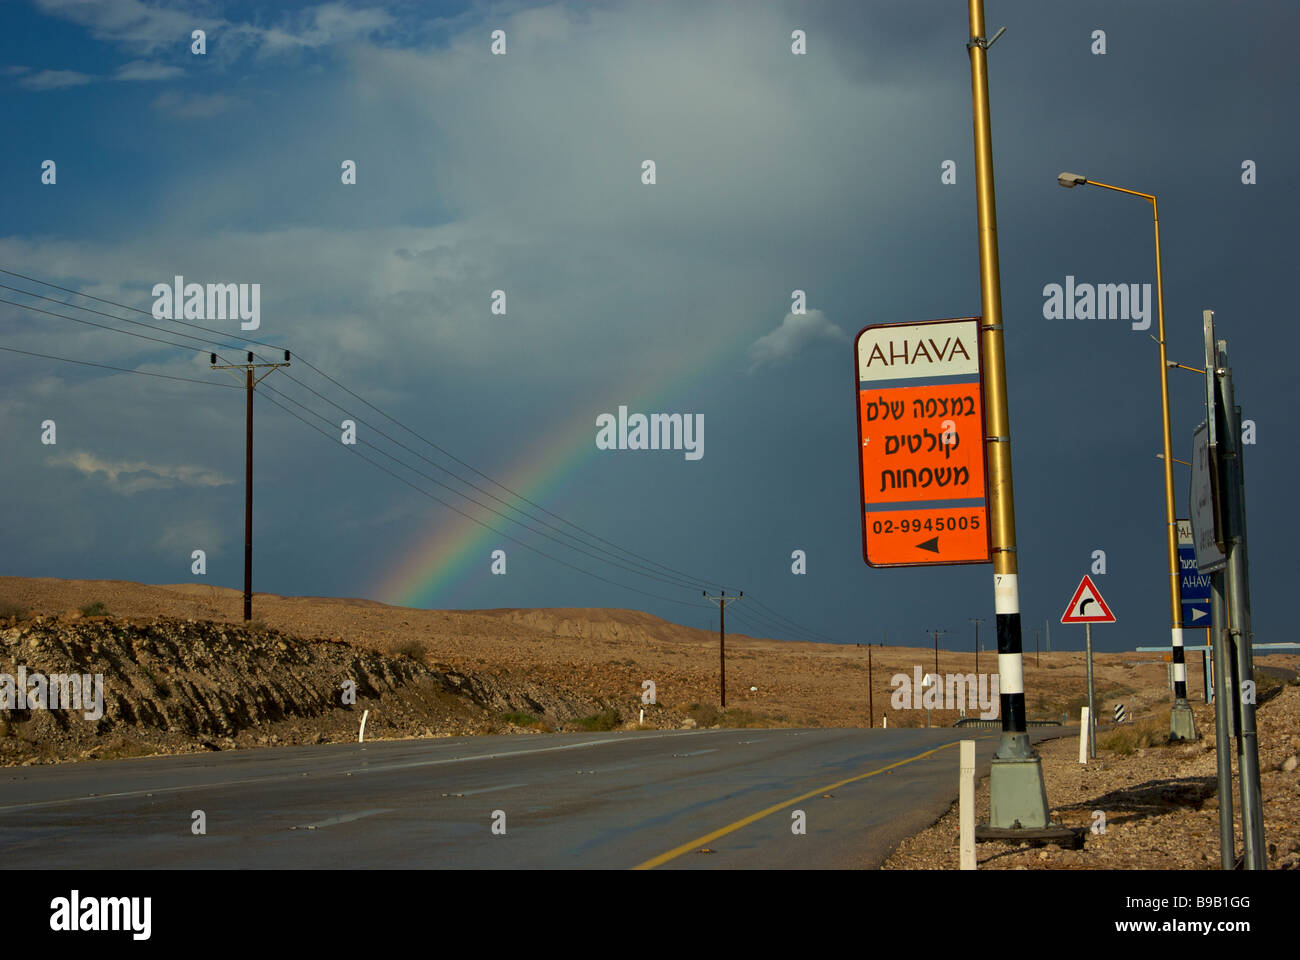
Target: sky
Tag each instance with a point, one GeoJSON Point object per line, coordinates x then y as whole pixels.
{"type": "Point", "coordinates": [523, 171]}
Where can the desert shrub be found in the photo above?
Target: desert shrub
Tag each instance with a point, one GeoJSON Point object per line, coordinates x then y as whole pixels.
{"type": "Point", "coordinates": [736, 717]}
{"type": "Point", "coordinates": [410, 648]}
{"type": "Point", "coordinates": [605, 720]}
{"type": "Point", "coordinates": [1127, 737]}
{"type": "Point", "coordinates": [704, 714]}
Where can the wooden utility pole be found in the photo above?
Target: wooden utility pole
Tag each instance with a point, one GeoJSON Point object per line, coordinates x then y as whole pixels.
{"type": "Point", "coordinates": [249, 383]}
{"type": "Point", "coordinates": [936, 649]}
{"type": "Point", "coordinates": [871, 704]}
{"type": "Point", "coordinates": [722, 602]}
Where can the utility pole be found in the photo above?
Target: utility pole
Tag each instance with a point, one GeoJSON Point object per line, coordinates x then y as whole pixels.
{"type": "Point", "coordinates": [249, 383]}
{"type": "Point", "coordinates": [936, 648]}
{"type": "Point", "coordinates": [722, 602]}
{"type": "Point", "coordinates": [1035, 648]}
{"type": "Point", "coordinates": [1048, 623]}
{"type": "Point", "coordinates": [1017, 796]}
{"type": "Point", "coordinates": [871, 703]}
{"type": "Point", "coordinates": [977, 621]}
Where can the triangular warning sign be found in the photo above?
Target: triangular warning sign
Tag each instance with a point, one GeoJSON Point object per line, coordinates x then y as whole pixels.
{"type": "Point", "coordinates": [1087, 606]}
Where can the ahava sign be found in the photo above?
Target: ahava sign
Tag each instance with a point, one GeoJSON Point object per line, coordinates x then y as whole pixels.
{"type": "Point", "coordinates": [921, 443]}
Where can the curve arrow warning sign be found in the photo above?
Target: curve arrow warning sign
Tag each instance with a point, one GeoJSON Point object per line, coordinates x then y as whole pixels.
{"type": "Point", "coordinates": [1087, 606]}
{"type": "Point", "coordinates": [921, 443]}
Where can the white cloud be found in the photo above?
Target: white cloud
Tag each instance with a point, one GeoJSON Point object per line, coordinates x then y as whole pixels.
{"type": "Point", "coordinates": [135, 476]}
{"type": "Point", "coordinates": [55, 80]}
{"type": "Point", "coordinates": [326, 25]}
{"type": "Point", "coordinates": [144, 29]}
{"type": "Point", "coordinates": [147, 70]}
{"type": "Point", "coordinates": [131, 24]}
{"type": "Point", "coordinates": [794, 333]}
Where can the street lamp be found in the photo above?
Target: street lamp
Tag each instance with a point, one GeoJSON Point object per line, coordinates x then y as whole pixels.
{"type": "Point", "coordinates": [1182, 725]}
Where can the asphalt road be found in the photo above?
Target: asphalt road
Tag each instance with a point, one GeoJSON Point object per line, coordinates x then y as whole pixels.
{"type": "Point", "coordinates": [600, 800]}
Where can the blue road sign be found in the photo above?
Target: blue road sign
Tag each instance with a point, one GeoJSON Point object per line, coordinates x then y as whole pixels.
{"type": "Point", "coordinates": [1194, 587]}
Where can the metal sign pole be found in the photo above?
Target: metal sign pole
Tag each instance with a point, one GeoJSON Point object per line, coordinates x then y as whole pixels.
{"type": "Point", "coordinates": [1222, 721]}
{"type": "Point", "coordinates": [1092, 710]}
{"type": "Point", "coordinates": [1252, 819]}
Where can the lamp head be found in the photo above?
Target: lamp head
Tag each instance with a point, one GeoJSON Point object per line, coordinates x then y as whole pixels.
{"type": "Point", "coordinates": [1071, 180]}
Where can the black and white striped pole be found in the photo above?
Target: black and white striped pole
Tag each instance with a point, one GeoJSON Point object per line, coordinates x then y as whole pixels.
{"type": "Point", "coordinates": [1017, 796]}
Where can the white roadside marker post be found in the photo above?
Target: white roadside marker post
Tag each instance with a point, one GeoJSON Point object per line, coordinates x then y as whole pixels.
{"type": "Point", "coordinates": [1084, 722]}
{"type": "Point", "coordinates": [967, 803]}
{"type": "Point", "coordinates": [361, 737]}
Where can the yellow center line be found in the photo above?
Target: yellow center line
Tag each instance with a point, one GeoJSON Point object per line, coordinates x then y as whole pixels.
{"type": "Point", "coordinates": [733, 827]}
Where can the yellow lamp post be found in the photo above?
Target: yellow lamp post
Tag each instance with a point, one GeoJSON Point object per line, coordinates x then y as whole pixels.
{"type": "Point", "coordinates": [1182, 725]}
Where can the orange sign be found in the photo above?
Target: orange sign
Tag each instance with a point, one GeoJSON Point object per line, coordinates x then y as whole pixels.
{"type": "Point", "coordinates": [921, 444]}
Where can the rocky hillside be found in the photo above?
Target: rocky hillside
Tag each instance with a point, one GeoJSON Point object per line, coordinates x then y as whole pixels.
{"type": "Point", "coordinates": [177, 685]}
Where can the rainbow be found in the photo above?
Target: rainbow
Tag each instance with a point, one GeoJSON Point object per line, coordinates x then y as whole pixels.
{"type": "Point", "coordinates": [425, 574]}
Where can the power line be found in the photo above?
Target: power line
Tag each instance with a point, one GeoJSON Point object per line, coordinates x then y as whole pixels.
{"type": "Point", "coordinates": [92, 323]}
{"type": "Point", "coordinates": [111, 316]}
{"type": "Point", "coordinates": [796, 626]}
{"type": "Point", "coordinates": [677, 581]}
{"type": "Point", "coordinates": [784, 623]}
{"type": "Point", "coordinates": [674, 583]}
{"type": "Point", "coordinates": [481, 523]}
{"type": "Point", "coordinates": [766, 622]}
{"type": "Point", "coordinates": [513, 493]}
{"type": "Point", "coordinates": [105, 366]}
{"type": "Point", "coordinates": [123, 306]}
{"type": "Point", "coordinates": [693, 582]}
{"type": "Point", "coordinates": [326, 399]}
{"type": "Point", "coordinates": [773, 627]}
